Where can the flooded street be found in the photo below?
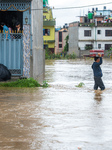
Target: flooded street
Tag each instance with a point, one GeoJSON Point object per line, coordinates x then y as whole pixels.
{"type": "Point", "coordinates": [61, 117]}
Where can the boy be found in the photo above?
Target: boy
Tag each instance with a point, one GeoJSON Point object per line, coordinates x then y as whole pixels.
{"type": "Point", "coordinates": [5, 30]}
{"type": "Point", "coordinates": [98, 73]}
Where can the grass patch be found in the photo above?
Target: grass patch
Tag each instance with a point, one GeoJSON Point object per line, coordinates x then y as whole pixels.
{"type": "Point", "coordinates": [80, 85]}
{"type": "Point", "coordinates": [30, 82]}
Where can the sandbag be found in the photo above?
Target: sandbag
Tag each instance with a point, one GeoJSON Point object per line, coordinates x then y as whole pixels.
{"type": "Point", "coordinates": [4, 73]}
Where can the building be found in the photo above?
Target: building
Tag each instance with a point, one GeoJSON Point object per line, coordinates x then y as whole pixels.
{"type": "Point", "coordinates": [23, 52]}
{"type": "Point", "coordinates": [92, 32]}
{"type": "Point", "coordinates": [48, 28]}
{"type": "Point", "coordinates": [60, 41]}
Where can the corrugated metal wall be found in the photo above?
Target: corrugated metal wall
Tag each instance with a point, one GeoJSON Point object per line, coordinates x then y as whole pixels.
{"type": "Point", "coordinates": [11, 54]}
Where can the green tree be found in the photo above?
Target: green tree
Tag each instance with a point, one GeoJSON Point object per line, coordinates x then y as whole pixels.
{"type": "Point", "coordinates": [109, 52]}
{"type": "Point", "coordinates": [66, 45]}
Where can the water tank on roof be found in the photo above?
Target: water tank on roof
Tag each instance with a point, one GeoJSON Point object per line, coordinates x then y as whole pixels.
{"type": "Point", "coordinates": [90, 15]}
{"type": "Point", "coordinates": [45, 2]}
{"type": "Point", "coordinates": [96, 9]}
{"type": "Point", "coordinates": [104, 7]}
{"type": "Point", "coordinates": [92, 9]}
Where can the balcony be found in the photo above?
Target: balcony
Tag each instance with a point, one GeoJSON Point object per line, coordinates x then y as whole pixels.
{"type": "Point", "coordinates": [45, 10]}
{"type": "Point", "coordinates": [49, 41]}
{"type": "Point", "coordinates": [49, 22]}
{"type": "Point", "coordinates": [93, 24]}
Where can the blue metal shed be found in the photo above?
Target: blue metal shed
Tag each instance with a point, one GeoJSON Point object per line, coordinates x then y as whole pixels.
{"type": "Point", "coordinates": [15, 50]}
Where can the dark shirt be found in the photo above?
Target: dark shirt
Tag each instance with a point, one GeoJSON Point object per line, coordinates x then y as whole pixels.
{"type": "Point", "coordinates": [18, 34]}
{"type": "Point", "coordinates": [97, 69]}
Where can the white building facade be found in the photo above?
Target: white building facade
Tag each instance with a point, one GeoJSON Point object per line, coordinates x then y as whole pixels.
{"type": "Point", "coordinates": [97, 37]}
{"type": "Point", "coordinates": [83, 38]}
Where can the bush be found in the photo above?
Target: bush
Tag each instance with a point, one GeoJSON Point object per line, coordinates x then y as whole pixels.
{"type": "Point", "coordinates": [109, 52]}
{"type": "Point", "coordinates": [70, 56]}
{"type": "Point", "coordinates": [88, 47]}
{"type": "Point", "coordinates": [66, 45]}
{"type": "Point", "coordinates": [45, 84]}
{"type": "Point", "coordinates": [63, 55]}
{"type": "Point", "coordinates": [30, 82]}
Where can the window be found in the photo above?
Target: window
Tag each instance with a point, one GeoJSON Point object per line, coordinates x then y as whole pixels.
{"type": "Point", "coordinates": [46, 32]}
{"type": "Point", "coordinates": [44, 17]}
{"type": "Point", "coordinates": [99, 46]}
{"type": "Point", "coordinates": [108, 46]}
{"type": "Point", "coordinates": [98, 31]}
{"type": "Point", "coordinates": [60, 36]}
{"type": "Point", "coordinates": [45, 46]}
{"type": "Point", "coordinates": [108, 32]}
{"type": "Point", "coordinates": [88, 46]}
{"type": "Point", "coordinates": [87, 32]}
{"type": "Point", "coordinates": [60, 45]}
{"type": "Point", "coordinates": [10, 17]}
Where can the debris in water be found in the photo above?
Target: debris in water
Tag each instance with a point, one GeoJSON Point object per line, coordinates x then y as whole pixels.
{"type": "Point", "coordinates": [80, 84]}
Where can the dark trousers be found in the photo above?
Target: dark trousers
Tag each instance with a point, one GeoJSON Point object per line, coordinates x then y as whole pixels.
{"type": "Point", "coordinates": [98, 83]}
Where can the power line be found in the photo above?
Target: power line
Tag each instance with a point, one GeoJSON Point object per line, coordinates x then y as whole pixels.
{"type": "Point", "coordinates": [76, 7]}
{"type": "Point", "coordinates": [83, 6]}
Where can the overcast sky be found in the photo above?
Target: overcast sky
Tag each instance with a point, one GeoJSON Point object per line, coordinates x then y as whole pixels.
{"type": "Point", "coordinates": [70, 15]}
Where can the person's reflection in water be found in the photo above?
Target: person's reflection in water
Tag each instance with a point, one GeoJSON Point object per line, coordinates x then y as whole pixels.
{"type": "Point", "coordinates": [98, 96]}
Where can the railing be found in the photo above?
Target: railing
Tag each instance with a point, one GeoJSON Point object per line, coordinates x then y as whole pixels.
{"type": "Point", "coordinates": [93, 24]}
{"type": "Point", "coordinates": [13, 31]}
{"type": "Point", "coordinates": [49, 23]}
{"type": "Point", "coordinates": [12, 35]}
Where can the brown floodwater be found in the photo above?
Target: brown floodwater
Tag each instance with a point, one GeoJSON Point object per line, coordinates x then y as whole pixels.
{"type": "Point", "coordinates": [61, 117]}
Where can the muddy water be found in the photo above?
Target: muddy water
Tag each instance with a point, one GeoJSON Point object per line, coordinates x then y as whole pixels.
{"type": "Point", "coordinates": [61, 117]}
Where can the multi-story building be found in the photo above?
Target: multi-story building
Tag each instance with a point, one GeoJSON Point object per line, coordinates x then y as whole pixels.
{"type": "Point", "coordinates": [91, 33]}
{"type": "Point", "coordinates": [60, 41]}
{"type": "Point", "coordinates": [48, 28]}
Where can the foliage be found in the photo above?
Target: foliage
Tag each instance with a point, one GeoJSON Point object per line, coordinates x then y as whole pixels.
{"type": "Point", "coordinates": [92, 24]}
{"type": "Point", "coordinates": [70, 56]}
{"type": "Point", "coordinates": [63, 55]}
{"type": "Point", "coordinates": [45, 84]}
{"type": "Point", "coordinates": [80, 85]}
{"type": "Point", "coordinates": [107, 24]}
{"type": "Point", "coordinates": [109, 52]}
{"type": "Point", "coordinates": [88, 47]}
{"type": "Point", "coordinates": [48, 54]}
{"type": "Point", "coordinates": [30, 82]}
{"type": "Point", "coordinates": [66, 45]}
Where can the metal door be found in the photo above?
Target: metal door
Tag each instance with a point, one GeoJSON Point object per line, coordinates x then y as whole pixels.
{"type": "Point", "coordinates": [11, 52]}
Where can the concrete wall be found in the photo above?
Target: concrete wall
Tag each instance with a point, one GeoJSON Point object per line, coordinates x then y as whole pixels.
{"type": "Point", "coordinates": [38, 55]}
{"type": "Point", "coordinates": [73, 40]}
